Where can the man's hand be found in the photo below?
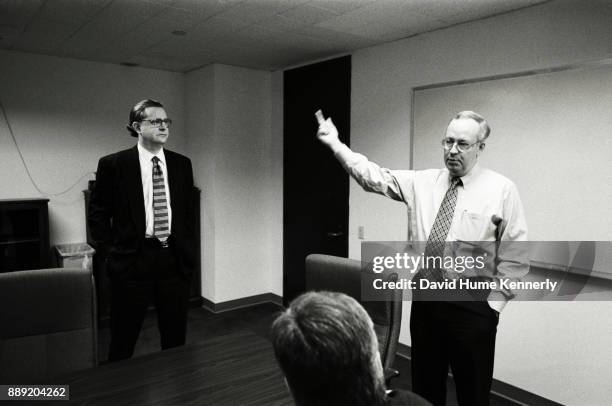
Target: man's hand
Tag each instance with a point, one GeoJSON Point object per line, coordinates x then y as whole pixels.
{"type": "Point", "coordinates": [327, 133]}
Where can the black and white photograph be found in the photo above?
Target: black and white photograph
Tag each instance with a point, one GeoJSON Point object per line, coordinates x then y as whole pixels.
{"type": "Point", "coordinates": [306, 202]}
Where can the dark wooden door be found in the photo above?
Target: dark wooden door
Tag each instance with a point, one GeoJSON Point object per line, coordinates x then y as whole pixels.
{"type": "Point", "coordinates": [316, 187]}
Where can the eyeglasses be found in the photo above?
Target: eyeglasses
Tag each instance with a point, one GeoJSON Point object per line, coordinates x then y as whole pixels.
{"type": "Point", "coordinates": [158, 122]}
{"type": "Point", "coordinates": [462, 146]}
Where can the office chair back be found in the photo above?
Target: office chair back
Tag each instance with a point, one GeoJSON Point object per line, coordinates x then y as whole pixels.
{"type": "Point", "coordinates": [47, 324]}
{"type": "Point", "coordinates": [336, 274]}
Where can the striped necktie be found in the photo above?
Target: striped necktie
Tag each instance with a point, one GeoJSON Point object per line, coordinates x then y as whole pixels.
{"type": "Point", "coordinates": [161, 228]}
{"type": "Point", "coordinates": [439, 230]}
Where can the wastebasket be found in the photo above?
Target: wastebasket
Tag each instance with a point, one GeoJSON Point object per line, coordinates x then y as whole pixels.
{"type": "Point", "coordinates": [77, 255]}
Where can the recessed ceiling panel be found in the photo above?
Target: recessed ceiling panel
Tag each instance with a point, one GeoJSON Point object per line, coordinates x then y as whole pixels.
{"type": "Point", "coordinates": [265, 34]}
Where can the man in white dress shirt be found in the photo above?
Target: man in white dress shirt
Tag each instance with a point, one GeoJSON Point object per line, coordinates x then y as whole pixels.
{"type": "Point", "coordinates": [461, 202]}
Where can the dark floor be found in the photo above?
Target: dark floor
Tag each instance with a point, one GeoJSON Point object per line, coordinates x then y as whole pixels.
{"type": "Point", "coordinates": [205, 324]}
{"type": "Point", "coordinates": [202, 324]}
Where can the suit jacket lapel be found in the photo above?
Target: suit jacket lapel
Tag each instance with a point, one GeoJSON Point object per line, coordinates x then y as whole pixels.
{"type": "Point", "coordinates": [135, 195]}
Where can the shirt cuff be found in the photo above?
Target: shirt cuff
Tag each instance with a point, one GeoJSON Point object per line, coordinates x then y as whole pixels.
{"type": "Point", "coordinates": [497, 301]}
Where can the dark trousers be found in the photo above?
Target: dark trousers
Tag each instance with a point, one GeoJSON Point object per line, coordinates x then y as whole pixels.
{"type": "Point", "coordinates": [154, 279]}
{"type": "Point", "coordinates": [456, 334]}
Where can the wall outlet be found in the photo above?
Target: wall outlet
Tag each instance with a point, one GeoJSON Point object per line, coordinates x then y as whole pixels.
{"type": "Point", "coordinates": [361, 232]}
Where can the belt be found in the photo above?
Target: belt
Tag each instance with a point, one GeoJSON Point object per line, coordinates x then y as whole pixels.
{"type": "Point", "coordinates": [156, 241]}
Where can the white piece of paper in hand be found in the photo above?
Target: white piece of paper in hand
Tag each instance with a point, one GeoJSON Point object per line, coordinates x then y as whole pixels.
{"type": "Point", "coordinates": [319, 116]}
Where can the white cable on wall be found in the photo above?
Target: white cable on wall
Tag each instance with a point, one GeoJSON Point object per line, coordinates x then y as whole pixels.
{"type": "Point", "coordinates": [25, 165]}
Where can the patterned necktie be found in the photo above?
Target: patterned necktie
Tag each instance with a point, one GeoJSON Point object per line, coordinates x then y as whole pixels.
{"type": "Point", "coordinates": [439, 230]}
{"type": "Point", "coordinates": [160, 205]}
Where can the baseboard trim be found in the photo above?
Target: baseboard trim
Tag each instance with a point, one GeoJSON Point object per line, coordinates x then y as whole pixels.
{"type": "Point", "coordinates": [520, 396]}
{"type": "Point", "coordinates": [242, 302]}
{"type": "Point", "coordinates": [516, 395]}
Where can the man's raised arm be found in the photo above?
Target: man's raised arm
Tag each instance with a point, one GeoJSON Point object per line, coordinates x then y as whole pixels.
{"type": "Point", "coordinates": [369, 175]}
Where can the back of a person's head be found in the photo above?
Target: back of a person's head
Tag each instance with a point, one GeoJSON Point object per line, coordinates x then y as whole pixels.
{"type": "Point", "coordinates": [326, 346]}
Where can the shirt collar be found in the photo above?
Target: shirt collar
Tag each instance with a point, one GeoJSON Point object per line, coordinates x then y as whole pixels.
{"type": "Point", "coordinates": [466, 179]}
{"type": "Point", "coordinates": [469, 177]}
{"type": "Point", "coordinates": [146, 155]}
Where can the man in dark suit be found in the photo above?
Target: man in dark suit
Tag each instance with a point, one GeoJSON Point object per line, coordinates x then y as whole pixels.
{"type": "Point", "coordinates": [141, 217]}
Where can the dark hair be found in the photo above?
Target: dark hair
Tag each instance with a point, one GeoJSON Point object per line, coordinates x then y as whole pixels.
{"type": "Point", "coordinates": [485, 130]}
{"type": "Point", "coordinates": [137, 113]}
{"type": "Point", "coordinates": [327, 348]}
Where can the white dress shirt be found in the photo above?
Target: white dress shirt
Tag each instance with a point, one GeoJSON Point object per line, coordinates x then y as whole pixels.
{"type": "Point", "coordinates": [484, 196]}
{"type": "Point", "coordinates": [146, 175]}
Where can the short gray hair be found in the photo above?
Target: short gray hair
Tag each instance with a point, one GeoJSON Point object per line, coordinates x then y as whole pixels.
{"type": "Point", "coordinates": [326, 346]}
{"type": "Point", "coordinates": [485, 130]}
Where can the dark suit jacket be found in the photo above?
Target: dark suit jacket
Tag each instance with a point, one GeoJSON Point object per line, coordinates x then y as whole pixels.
{"type": "Point", "coordinates": [117, 215]}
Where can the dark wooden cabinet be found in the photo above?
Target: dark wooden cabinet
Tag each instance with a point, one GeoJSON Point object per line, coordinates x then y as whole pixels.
{"type": "Point", "coordinates": [24, 234]}
{"type": "Point", "coordinates": [102, 282]}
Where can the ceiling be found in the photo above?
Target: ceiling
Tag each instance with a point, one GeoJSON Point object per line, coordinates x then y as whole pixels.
{"type": "Point", "coordinates": [182, 35]}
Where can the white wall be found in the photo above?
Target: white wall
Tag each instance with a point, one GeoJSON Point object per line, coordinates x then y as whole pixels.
{"type": "Point", "coordinates": [537, 342]}
{"type": "Point", "coordinates": [276, 192]}
{"type": "Point", "coordinates": [66, 114]}
{"type": "Point", "coordinates": [241, 209]}
{"type": "Point", "coordinates": [200, 122]}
